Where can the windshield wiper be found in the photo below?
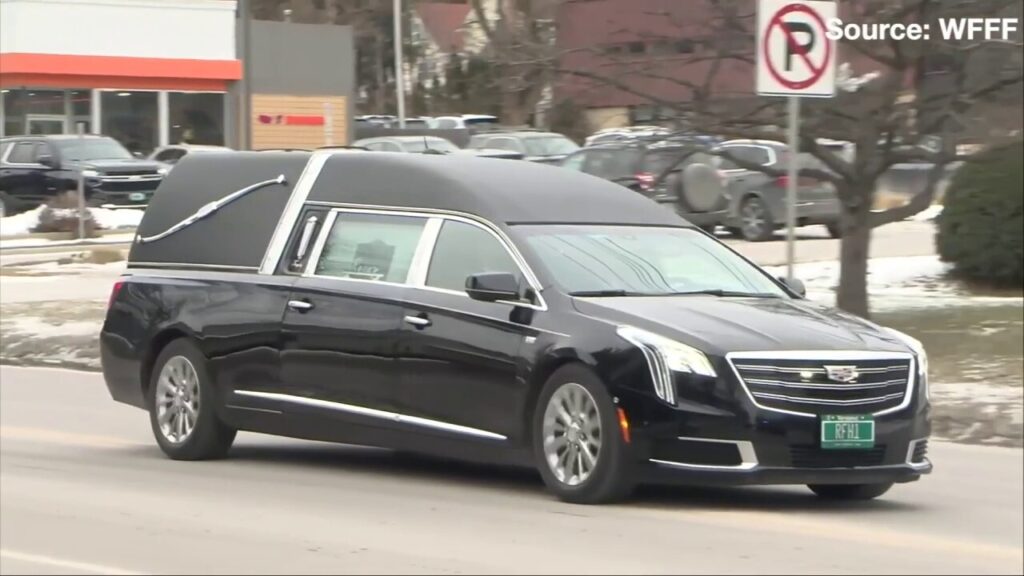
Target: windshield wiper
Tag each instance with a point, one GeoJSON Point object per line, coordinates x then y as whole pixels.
{"type": "Point", "coordinates": [723, 293]}
{"type": "Point", "coordinates": [606, 293]}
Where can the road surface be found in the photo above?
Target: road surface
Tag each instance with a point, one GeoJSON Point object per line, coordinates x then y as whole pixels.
{"type": "Point", "coordinates": [83, 489]}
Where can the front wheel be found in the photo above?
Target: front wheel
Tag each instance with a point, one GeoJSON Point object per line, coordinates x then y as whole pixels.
{"type": "Point", "coordinates": [580, 451]}
{"type": "Point", "coordinates": [182, 410]}
{"type": "Point", "coordinates": [850, 491]}
{"type": "Point", "coordinates": [756, 220]}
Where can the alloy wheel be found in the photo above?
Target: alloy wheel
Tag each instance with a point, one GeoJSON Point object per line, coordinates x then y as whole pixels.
{"type": "Point", "coordinates": [754, 218]}
{"type": "Point", "coordinates": [572, 434]}
{"type": "Point", "coordinates": [177, 399]}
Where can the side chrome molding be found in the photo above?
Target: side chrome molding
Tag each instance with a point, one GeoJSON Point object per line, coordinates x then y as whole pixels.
{"type": "Point", "coordinates": [372, 413]}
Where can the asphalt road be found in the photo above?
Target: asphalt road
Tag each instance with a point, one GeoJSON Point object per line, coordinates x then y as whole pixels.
{"type": "Point", "coordinates": [83, 489]}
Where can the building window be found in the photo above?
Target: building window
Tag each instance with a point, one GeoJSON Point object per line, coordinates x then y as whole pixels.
{"type": "Point", "coordinates": [685, 46]}
{"type": "Point", "coordinates": [636, 47]}
{"type": "Point", "coordinates": [195, 118]}
{"type": "Point", "coordinates": [31, 111]}
{"type": "Point", "coordinates": [131, 118]}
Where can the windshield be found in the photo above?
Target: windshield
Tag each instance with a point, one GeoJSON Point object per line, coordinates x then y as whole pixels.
{"type": "Point", "coordinates": [483, 121]}
{"type": "Point", "coordinates": [92, 149]}
{"type": "Point", "coordinates": [431, 143]}
{"type": "Point", "coordinates": [549, 146]}
{"type": "Point", "coordinates": [641, 260]}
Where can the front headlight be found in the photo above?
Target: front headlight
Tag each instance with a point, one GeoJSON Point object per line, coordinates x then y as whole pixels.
{"type": "Point", "coordinates": [665, 356]}
{"type": "Point", "coordinates": [922, 357]}
{"type": "Point", "coordinates": [90, 173]}
{"type": "Point", "coordinates": [163, 171]}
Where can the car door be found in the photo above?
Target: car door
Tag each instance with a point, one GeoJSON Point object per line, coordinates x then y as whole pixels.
{"type": "Point", "coordinates": [344, 314]}
{"type": "Point", "coordinates": [457, 356]}
{"type": "Point", "coordinates": [23, 179]}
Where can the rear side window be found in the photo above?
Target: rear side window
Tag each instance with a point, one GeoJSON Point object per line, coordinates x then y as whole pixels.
{"type": "Point", "coordinates": [170, 156]}
{"type": "Point", "coordinates": [659, 162]}
{"type": "Point", "coordinates": [754, 154]}
{"type": "Point", "coordinates": [375, 247]}
{"type": "Point", "coordinates": [611, 164]}
{"type": "Point", "coordinates": [23, 153]}
{"type": "Point", "coordinates": [462, 250]}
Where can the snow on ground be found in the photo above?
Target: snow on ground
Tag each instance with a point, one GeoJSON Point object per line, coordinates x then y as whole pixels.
{"type": "Point", "coordinates": [106, 219]}
{"type": "Point", "coordinates": [930, 213]}
{"type": "Point", "coordinates": [904, 282]}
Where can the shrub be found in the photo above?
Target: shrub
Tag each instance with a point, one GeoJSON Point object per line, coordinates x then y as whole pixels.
{"type": "Point", "coordinates": [61, 215]}
{"type": "Point", "coordinates": [981, 228]}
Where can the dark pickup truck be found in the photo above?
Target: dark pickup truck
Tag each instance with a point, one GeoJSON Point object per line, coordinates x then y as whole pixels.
{"type": "Point", "coordinates": [35, 169]}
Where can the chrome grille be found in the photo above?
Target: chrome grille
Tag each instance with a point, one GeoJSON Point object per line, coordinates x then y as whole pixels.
{"type": "Point", "coordinates": [826, 382]}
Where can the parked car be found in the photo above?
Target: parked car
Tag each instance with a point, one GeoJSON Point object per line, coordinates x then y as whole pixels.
{"type": "Point", "coordinates": [35, 169]}
{"type": "Point", "coordinates": [681, 176]}
{"type": "Point", "coordinates": [435, 144]}
{"type": "Point", "coordinates": [496, 311]}
{"type": "Point", "coordinates": [168, 156]}
{"type": "Point", "coordinates": [613, 135]}
{"type": "Point", "coordinates": [535, 146]}
{"type": "Point", "coordinates": [463, 121]}
{"type": "Point", "coordinates": [757, 201]}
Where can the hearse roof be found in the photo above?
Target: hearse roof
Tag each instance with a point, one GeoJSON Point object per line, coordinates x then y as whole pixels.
{"type": "Point", "coordinates": [500, 190]}
{"type": "Point", "coordinates": [260, 185]}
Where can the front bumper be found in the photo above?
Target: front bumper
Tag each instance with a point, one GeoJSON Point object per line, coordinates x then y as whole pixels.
{"type": "Point", "coordinates": [697, 443]}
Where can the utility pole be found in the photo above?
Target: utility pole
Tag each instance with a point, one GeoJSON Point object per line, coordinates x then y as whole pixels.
{"type": "Point", "coordinates": [399, 68]}
{"type": "Point", "coordinates": [245, 86]}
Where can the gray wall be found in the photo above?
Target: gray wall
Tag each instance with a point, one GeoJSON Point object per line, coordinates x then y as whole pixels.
{"type": "Point", "coordinates": [297, 59]}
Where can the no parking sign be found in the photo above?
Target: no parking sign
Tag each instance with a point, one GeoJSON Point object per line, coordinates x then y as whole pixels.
{"type": "Point", "coordinates": [794, 56]}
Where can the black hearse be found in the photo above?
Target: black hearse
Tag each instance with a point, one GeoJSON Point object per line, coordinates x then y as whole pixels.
{"type": "Point", "coordinates": [495, 311]}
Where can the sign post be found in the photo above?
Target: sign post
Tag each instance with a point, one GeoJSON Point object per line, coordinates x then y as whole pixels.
{"type": "Point", "coordinates": [82, 212]}
{"type": "Point", "coordinates": [794, 59]}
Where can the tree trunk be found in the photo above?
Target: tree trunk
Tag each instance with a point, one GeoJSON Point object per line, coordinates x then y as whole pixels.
{"type": "Point", "coordinates": [852, 294]}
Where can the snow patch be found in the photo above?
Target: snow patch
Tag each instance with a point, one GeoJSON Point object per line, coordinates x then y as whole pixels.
{"type": "Point", "coordinates": [106, 219]}
{"type": "Point", "coordinates": [928, 214]}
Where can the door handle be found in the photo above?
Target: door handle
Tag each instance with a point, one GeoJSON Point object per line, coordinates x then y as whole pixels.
{"type": "Point", "coordinates": [300, 305]}
{"type": "Point", "coordinates": [418, 321]}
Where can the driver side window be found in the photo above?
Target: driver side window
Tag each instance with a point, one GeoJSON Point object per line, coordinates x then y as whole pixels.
{"type": "Point", "coordinates": [462, 250]}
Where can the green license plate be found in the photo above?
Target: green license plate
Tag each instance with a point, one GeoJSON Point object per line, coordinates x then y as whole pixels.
{"type": "Point", "coordinates": [137, 196]}
{"type": "Point", "coordinates": [847, 432]}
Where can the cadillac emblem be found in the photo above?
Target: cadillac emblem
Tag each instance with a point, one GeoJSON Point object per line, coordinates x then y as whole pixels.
{"type": "Point", "coordinates": [845, 374]}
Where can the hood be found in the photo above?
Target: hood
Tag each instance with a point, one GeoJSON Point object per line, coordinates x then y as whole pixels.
{"type": "Point", "coordinates": [121, 166]}
{"type": "Point", "coordinates": [717, 325]}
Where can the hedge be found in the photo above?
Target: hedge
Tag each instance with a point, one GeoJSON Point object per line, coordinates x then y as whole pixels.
{"type": "Point", "coordinates": [981, 228]}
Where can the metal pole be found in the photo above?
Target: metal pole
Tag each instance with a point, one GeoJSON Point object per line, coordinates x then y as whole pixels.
{"type": "Point", "coordinates": [791, 182]}
{"type": "Point", "coordinates": [82, 213]}
{"type": "Point", "coordinates": [328, 125]}
{"type": "Point", "coordinates": [399, 68]}
{"type": "Point", "coordinates": [245, 95]}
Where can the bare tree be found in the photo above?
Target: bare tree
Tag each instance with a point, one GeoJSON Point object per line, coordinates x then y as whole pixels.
{"type": "Point", "coordinates": [910, 108]}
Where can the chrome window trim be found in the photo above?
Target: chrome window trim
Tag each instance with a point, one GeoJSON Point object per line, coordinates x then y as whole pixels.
{"type": "Point", "coordinates": [12, 146]}
{"type": "Point", "coordinates": [373, 413]}
{"type": "Point", "coordinates": [824, 355]}
{"type": "Point", "coordinates": [420, 266]}
{"type": "Point", "coordinates": [178, 265]}
{"type": "Point", "coordinates": [292, 210]}
{"type": "Point", "coordinates": [748, 456]}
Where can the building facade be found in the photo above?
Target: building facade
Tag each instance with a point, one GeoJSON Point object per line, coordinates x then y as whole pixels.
{"type": "Point", "coordinates": [156, 72]}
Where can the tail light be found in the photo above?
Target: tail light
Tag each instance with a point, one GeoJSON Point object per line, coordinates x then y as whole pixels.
{"type": "Point", "coordinates": [114, 291]}
{"type": "Point", "coordinates": [782, 181]}
{"type": "Point", "coordinates": [645, 179]}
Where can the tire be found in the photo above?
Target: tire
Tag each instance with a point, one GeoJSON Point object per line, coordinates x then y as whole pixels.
{"type": "Point", "coordinates": [208, 438]}
{"type": "Point", "coordinates": [849, 491]}
{"type": "Point", "coordinates": [834, 230]}
{"type": "Point", "coordinates": [756, 223]}
{"type": "Point", "coordinates": [611, 476]}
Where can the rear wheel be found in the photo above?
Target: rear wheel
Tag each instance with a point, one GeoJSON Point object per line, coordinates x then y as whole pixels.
{"type": "Point", "coordinates": [756, 221]}
{"type": "Point", "coordinates": [849, 491]}
{"type": "Point", "coordinates": [579, 451]}
{"type": "Point", "coordinates": [834, 230]}
{"type": "Point", "coordinates": [182, 412]}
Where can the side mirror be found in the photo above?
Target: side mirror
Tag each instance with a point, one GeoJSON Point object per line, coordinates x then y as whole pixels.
{"type": "Point", "coordinates": [796, 285]}
{"type": "Point", "coordinates": [47, 160]}
{"type": "Point", "coordinates": [493, 286]}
